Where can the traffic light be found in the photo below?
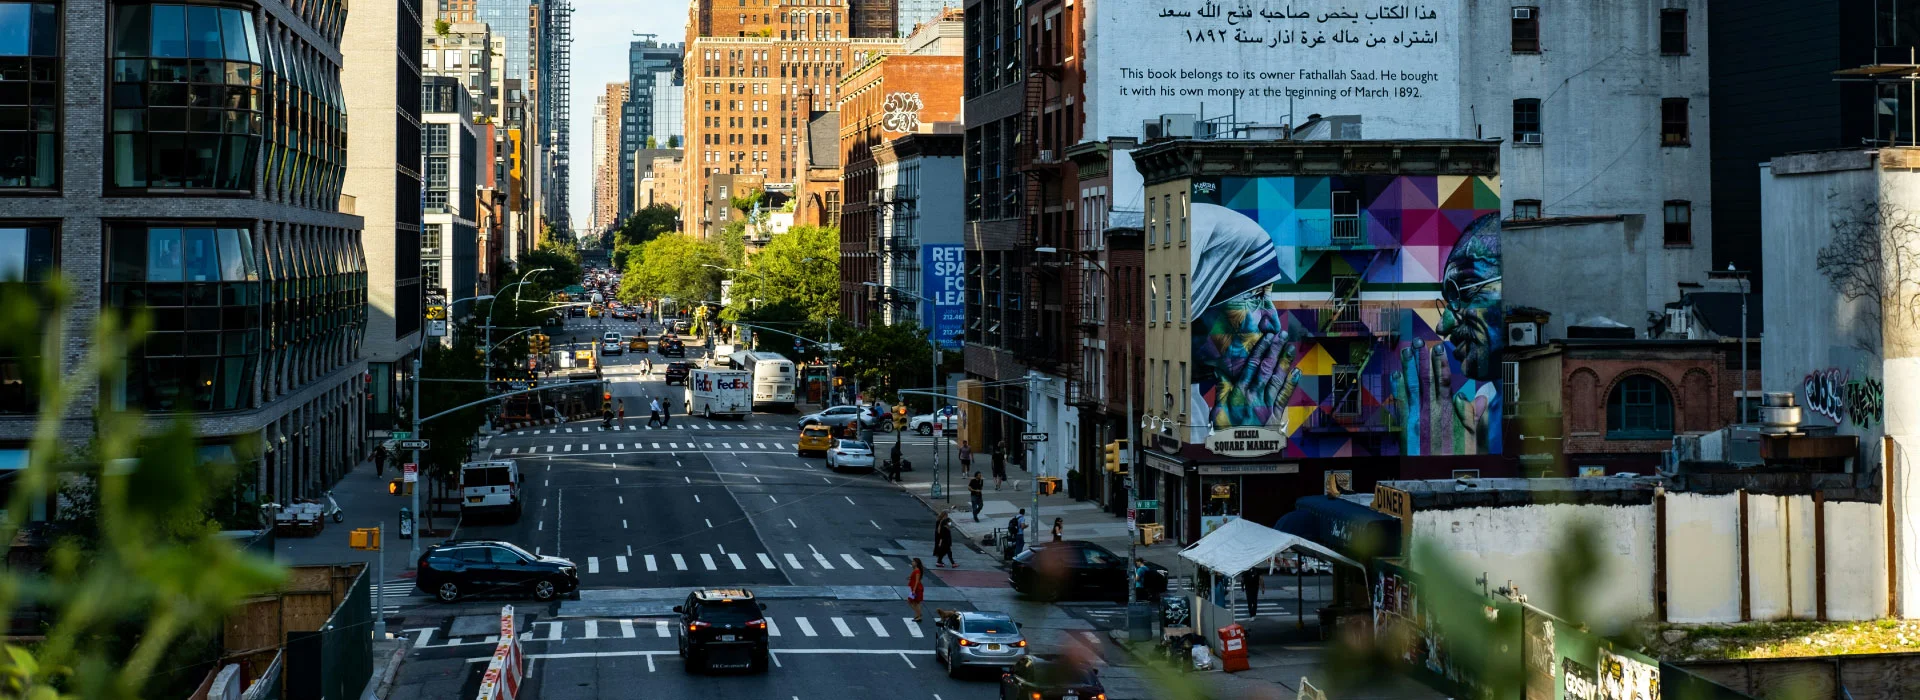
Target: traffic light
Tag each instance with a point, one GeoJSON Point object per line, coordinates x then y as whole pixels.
{"type": "Point", "coordinates": [538, 343]}
{"type": "Point", "coordinates": [1117, 458]}
{"type": "Point", "coordinates": [899, 417]}
{"type": "Point", "coordinates": [399, 487]}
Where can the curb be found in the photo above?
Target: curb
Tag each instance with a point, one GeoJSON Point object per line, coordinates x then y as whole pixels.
{"type": "Point", "coordinates": [392, 672]}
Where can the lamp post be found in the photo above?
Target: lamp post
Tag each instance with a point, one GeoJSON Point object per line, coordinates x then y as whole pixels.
{"type": "Point", "coordinates": [1745, 286]}
{"type": "Point", "coordinates": [486, 349]}
{"type": "Point", "coordinates": [1133, 475]}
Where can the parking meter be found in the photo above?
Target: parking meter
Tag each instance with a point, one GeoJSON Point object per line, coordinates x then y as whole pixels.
{"type": "Point", "coordinates": [406, 523]}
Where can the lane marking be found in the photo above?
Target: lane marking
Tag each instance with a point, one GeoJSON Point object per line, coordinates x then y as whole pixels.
{"type": "Point", "coordinates": [709, 521]}
{"type": "Point", "coordinates": [796, 527]}
{"type": "Point", "coordinates": [707, 559]}
{"type": "Point", "coordinates": [620, 565]}
{"type": "Point", "coordinates": [794, 561]}
{"type": "Point", "coordinates": [626, 628]}
{"type": "Point", "coordinates": [566, 448]}
{"type": "Point", "coordinates": [806, 627]}
{"type": "Point", "coordinates": [878, 629]}
{"type": "Point", "coordinates": [623, 501]}
{"type": "Point", "coordinates": [653, 566]}
{"type": "Point", "coordinates": [696, 498]}
{"type": "Point", "coordinates": [875, 525]}
{"type": "Point", "coordinates": [776, 499]}
{"type": "Point", "coordinates": [903, 657]}
{"type": "Point", "coordinates": [766, 562]}
{"type": "Point", "coordinates": [882, 562]}
{"type": "Point", "coordinates": [593, 629]}
{"type": "Point", "coordinates": [593, 565]}
{"type": "Point", "coordinates": [737, 564]}
{"type": "Point", "coordinates": [623, 523]}
{"type": "Point", "coordinates": [841, 624]}
{"type": "Point", "coordinates": [660, 628]}
{"type": "Point", "coordinates": [913, 628]}
{"type": "Point", "coordinates": [822, 558]}
{"type": "Point", "coordinates": [855, 563]}
{"type": "Point", "coordinates": [773, 630]}
{"type": "Point", "coordinates": [679, 563]}
{"type": "Point", "coordinates": [849, 500]}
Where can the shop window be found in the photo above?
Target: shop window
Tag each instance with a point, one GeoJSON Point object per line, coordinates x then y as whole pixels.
{"type": "Point", "coordinates": [29, 95]}
{"type": "Point", "coordinates": [1640, 408]}
{"type": "Point", "coordinates": [187, 110]}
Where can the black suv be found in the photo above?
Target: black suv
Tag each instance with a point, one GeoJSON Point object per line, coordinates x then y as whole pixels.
{"type": "Point", "coordinates": [723, 628]}
{"type": "Point", "coordinates": [458, 568]}
{"type": "Point", "coordinates": [677, 372]}
{"type": "Point", "coordinates": [673, 348]}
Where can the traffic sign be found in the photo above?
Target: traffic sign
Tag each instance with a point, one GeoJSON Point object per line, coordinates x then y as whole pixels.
{"type": "Point", "coordinates": [1147, 505]}
{"type": "Point", "coordinates": [401, 435]}
{"type": "Point", "coordinates": [1130, 520]}
{"type": "Point", "coordinates": [1033, 437]}
{"type": "Point", "coordinates": [413, 444]}
{"type": "Point", "coordinates": [411, 472]}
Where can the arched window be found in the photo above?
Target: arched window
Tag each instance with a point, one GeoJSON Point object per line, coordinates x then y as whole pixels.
{"type": "Point", "coordinates": [1640, 408]}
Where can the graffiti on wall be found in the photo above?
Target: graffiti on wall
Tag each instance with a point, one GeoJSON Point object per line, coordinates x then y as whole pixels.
{"type": "Point", "coordinates": [1627, 678]}
{"type": "Point", "coordinates": [901, 112]}
{"type": "Point", "coordinates": [1292, 327]}
{"type": "Point", "coordinates": [1845, 399]}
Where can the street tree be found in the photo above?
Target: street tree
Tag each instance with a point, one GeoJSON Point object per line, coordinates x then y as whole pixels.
{"type": "Point", "coordinates": [801, 267]}
{"type": "Point", "coordinates": [887, 358]}
{"type": "Point", "coordinates": [673, 266]}
{"type": "Point", "coordinates": [647, 224]}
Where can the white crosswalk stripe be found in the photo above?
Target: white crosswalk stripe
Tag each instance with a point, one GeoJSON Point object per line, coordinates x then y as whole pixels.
{"type": "Point", "coordinates": [593, 565]}
{"type": "Point", "coordinates": [603, 447]}
{"type": "Point", "coordinates": [735, 558]}
{"type": "Point", "coordinates": [878, 630]}
{"type": "Point", "coordinates": [707, 559]}
{"type": "Point", "coordinates": [773, 628]}
{"type": "Point", "coordinates": [855, 563]}
{"type": "Point", "coordinates": [569, 448]}
{"type": "Point", "coordinates": [626, 629]}
{"type": "Point", "coordinates": [882, 562]}
{"type": "Point", "coordinates": [793, 561]}
{"type": "Point", "coordinates": [660, 628]}
{"type": "Point", "coordinates": [841, 624]}
{"type": "Point", "coordinates": [806, 627]}
{"type": "Point", "coordinates": [651, 564]}
{"type": "Point", "coordinates": [593, 630]}
{"type": "Point", "coordinates": [822, 558]}
{"type": "Point", "coordinates": [761, 444]}
{"type": "Point", "coordinates": [913, 628]}
{"type": "Point", "coordinates": [620, 564]}
{"type": "Point", "coordinates": [679, 563]}
{"type": "Point", "coordinates": [766, 561]}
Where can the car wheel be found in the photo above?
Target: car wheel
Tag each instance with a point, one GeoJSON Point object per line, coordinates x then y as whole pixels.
{"type": "Point", "coordinates": [447, 592]}
{"type": "Point", "coordinates": [925, 429]}
{"type": "Point", "coordinates": [709, 408]}
{"type": "Point", "coordinates": [953, 669]}
{"type": "Point", "coordinates": [543, 590]}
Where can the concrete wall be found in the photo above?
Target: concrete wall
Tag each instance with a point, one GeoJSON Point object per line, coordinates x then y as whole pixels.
{"type": "Point", "coordinates": [1703, 544]}
{"type": "Point", "coordinates": [1521, 544]}
{"type": "Point", "coordinates": [1582, 271]}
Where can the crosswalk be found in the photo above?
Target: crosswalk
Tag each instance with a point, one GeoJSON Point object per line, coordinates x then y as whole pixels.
{"type": "Point", "coordinates": [393, 595]}
{"type": "Point", "coordinates": [793, 629]}
{"type": "Point", "coordinates": [647, 446]}
{"type": "Point", "coordinates": [631, 426]}
{"type": "Point", "coordinates": [670, 562]}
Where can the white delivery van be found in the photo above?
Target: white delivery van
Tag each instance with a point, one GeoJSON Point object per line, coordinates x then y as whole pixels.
{"type": "Point", "coordinates": [722, 356]}
{"type": "Point", "coordinates": [719, 392]}
{"type": "Point", "coordinates": [490, 487]}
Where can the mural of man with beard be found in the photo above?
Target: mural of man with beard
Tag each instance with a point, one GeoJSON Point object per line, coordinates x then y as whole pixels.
{"type": "Point", "coordinates": [1447, 414]}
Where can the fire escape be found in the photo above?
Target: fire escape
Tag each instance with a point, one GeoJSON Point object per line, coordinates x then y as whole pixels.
{"type": "Point", "coordinates": [1363, 330]}
{"type": "Point", "coordinates": [893, 210]}
{"type": "Point", "coordinates": [1054, 283]}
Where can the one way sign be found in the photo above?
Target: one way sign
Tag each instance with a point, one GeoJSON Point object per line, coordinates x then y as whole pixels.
{"type": "Point", "coordinates": [1033, 437]}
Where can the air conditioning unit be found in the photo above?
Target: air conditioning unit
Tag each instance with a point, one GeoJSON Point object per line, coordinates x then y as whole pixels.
{"type": "Point", "coordinates": [1177, 126]}
{"type": "Point", "coordinates": [1677, 322]}
{"type": "Point", "coordinates": [1531, 137]}
{"type": "Point", "coordinates": [885, 194]}
{"type": "Point", "coordinates": [1523, 334]}
{"type": "Point", "coordinates": [1523, 13]}
{"type": "Point", "coordinates": [1150, 130]}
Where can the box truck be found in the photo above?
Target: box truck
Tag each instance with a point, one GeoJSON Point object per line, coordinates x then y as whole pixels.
{"type": "Point", "coordinates": [719, 392]}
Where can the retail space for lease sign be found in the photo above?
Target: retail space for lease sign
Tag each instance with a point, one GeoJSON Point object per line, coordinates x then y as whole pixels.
{"type": "Point", "coordinates": [1396, 66]}
{"type": "Point", "coordinates": [946, 287]}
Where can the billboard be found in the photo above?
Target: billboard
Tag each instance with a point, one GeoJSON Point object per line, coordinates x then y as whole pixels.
{"type": "Point", "coordinates": [1356, 315]}
{"type": "Point", "coordinates": [1273, 62]}
{"type": "Point", "coordinates": [946, 286]}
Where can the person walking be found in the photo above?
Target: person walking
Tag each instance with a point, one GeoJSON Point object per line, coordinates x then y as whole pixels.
{"type": "Point", "coordinates": [666, 413]}
{"type": "Point", "coordinates": [1000, 465]}
{"type": "Point", "coordinates": [1017, 531]}
{"type": "Point", "coordinates": [1140, 590]}
{"type": "Point", "coordinates": [898, 464]}
{"type": "Point", "coordinates": [380, 459]}
{"type": "Point", "coordinates": [974, 487]}
{"type": "Point", "coordinates": [622, 413]}
{"type": "Point", "coordinates": [966, 456]}
{"type": "Point", "coordinates": [916, 591]}
{"type": "Point", "coordinates": [1251, 583]}
{"type": "Point", "coordinates": [943, 541]}
{"type": "Point", "coordinates": [653, 415]}
{"type": "Point", "coordinates": [1059, 524]}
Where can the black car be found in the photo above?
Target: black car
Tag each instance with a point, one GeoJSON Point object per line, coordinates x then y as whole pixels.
{"type": "Point", "coordinates": [577, 311]}
{"type": "Point", "coordinates": [723, 628]}
{"type": "Point", "coordinates": [1042, 678]}
{"type": "Point", "coordinates": [677, 372]}
{"type": "Point", "coordinates": [673, 348]}
{"type": "Point", "coordinates": [1071, 570]}
{"type": "Point", "coordinates": [459, 568]}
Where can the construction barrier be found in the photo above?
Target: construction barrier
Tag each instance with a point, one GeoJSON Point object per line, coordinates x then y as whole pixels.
{"type": "Point", "coordinates": [502, 681]}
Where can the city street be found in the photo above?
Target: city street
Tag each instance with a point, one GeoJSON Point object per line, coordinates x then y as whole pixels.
{"type": "Point", "coordinates": [651, 513]}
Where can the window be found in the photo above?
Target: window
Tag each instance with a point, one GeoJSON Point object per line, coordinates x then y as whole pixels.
{"type": "Point", "coordinates": [1673, 32]}
{"type": "Point", "coordinates": [1169, 279]}
{"type": "Point", "coordinates": [1640, 408]}
{"type": "Point", "coordinates": [186, 99]}
{"type": "Point", "coordinates": [1673, 121]}
{"type": "Point", "coordinates": [1526, 121]}
{"type": "Point", "coordinates": [1153, 301]}
{"type": "Point", "coordinates": [26, 256]}
{"type": "Point", "coordinates": [1526, 209]}
{"type": "Point", "coordinates": [1184, 309]}
{"type": "Point", "coordinates": [1526, 30]}
{"type": "Point", "coordinates": [1346, 390]}
{"type": "Point", "coordinates": [1183, 217]}
{"type": "Point", "coordinates": [29, 95]}
{"type": "Point", "coordinates": [1679, 223]}
{"type": "Point", "coordinates": [201, 288]}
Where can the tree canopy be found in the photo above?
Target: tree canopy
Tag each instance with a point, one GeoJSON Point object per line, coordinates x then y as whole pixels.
{"type": "Point", "coordinates": [672, 266]}
{"type": "Point", "coordinates": [647, 224]}
{"type": "Point", "coordinates": [800, 267]}
{"type": "Point", "coordinates": [887, 358]}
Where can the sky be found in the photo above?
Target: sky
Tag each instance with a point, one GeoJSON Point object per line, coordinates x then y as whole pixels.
{"type": "Point", "coordinates": [601, 31]}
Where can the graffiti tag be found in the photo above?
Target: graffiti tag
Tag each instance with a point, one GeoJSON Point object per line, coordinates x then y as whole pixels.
{"type": "Point", "coordinates": [902, 112]}
{"type": "Point", "coordinates": [1843, 399]}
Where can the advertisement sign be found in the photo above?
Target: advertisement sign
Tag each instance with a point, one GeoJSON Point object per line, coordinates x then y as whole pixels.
{"type": "Point", "coordinates": [1272, 62]}
{"type": "Point", "coordinates": [1246, 442]}
{"type": "Point", "coordinates": [945, 285]}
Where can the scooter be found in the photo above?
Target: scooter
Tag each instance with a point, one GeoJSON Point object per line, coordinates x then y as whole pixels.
{"type": "Point", "coordinates": [333, 508]}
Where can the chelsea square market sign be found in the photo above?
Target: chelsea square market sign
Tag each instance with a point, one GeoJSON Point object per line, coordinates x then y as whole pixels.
{"type": "Point", "coordinates": [1271, 61]}
{"type": "Point", "coordinates": [1246, 442]}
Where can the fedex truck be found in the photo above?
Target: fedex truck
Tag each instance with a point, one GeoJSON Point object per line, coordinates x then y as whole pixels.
{"type": "Point", "coordinates": [719, 392]}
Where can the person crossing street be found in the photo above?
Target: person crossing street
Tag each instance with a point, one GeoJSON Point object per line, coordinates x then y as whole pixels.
{"type": "Point", "coordinates": [974, 487]}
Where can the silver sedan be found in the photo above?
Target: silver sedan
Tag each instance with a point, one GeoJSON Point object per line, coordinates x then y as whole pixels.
{"type": "Point", "coordinates": [977, 639]}
{"type": "Point", "coordinates": [850, 454]}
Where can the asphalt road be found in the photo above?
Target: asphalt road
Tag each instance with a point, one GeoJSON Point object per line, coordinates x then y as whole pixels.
{"type": "Point", "coordinates": [650, 514]}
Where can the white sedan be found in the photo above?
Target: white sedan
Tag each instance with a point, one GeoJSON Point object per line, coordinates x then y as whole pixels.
{"type": "Point", "coordinates": [850, 454]}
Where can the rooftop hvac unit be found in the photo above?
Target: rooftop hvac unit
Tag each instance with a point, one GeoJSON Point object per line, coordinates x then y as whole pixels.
{"type": "Point", "coordinates": [1150, 130]}
{"type": "Point", "coordinates": [1177, 126]}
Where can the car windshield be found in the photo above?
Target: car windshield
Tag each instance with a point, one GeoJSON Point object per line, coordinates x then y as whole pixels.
{"type": "Point", "coordinates": [813, 431]}
{"type": "Point", "coordinates": [511, 547]}
{"type": "Point", "coordinates": [854, 445]}
{"type": "Point", "coordinates": [734, 613]}
{"type": "Point", "coordinates": [1057, 674]}
{"type": "Point", "coordinates": [987, 624]}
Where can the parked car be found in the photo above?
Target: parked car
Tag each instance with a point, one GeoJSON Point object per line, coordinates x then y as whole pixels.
{"type": "Point", "coordinates": [458, 568]}
{"type": "Point", "coordinates": [723, 628]}
{"type": "Point", "coordinates": [1073, 569]}
{"type": "Point", "coordinates": [850, 454]}
{"type": "Point", "coordinates": [677, 372]}
{"type": "Point", "coordinates": [945, 420]}
{"type": "Point", "coordinates": [840, 416]}
{"type": "Point", "coordinates": [1050, 679]}
{"type": "Point", "coordinates": [976, 639]}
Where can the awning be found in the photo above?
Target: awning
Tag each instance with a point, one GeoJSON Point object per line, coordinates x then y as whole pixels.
{"type": "Point", "coordinates": [1243, 544]}
{"type": "Point", "coordinates": [1350, 528]}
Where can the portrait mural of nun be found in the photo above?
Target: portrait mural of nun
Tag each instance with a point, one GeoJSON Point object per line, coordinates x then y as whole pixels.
{"type": "Point", "coordinates": [1412, 372]}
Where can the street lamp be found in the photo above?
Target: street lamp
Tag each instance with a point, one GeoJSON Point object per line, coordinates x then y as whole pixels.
{"type": "Point", "coordinates": [487, 345]}
{"type": "Point", "coordinates": [1133, 440]}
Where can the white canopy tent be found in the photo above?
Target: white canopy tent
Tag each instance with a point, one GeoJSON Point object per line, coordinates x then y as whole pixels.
{"type": "Point", "coordinates": [1242, 544]}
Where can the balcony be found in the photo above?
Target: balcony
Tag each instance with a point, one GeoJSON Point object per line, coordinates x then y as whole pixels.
{"type": "Point", "coordinates": [1356, 320]}
{"type": "Point", "coordinates": [1364, 419]}
{"type": "Point", "coordinates": [1346, 229]}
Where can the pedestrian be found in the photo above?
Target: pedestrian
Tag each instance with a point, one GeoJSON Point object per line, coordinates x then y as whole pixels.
{"type": "Point", "coordinates": [1017, 531]}
{"type": "Point", "coordinates": [966, 456]}
{"type": "Point", "coordinates": [1058, 525]}
{"type": "Point", "coordinates": [943, 541]}
{"type": "Point", "coordinates": [622, 414]}
{"type": "Point", "coordinates": [916, 591]}
{"type": "Point", "coordinates": [999, 465]}
{"type": "Point", "coordinates": [974, 487]}
{"type": "Point", "coordinates": [653, 417]}
{"type": "Point", "coordinates": [1252, 584]}
{"type": "Point", "coordinates": [666, 413]}
{"type": "Point", "coordinates": [380, 459]}
{"type": "Point", "coordinates": [898, 465]}
{"type": "Point", "coordinates": [1139, 578]}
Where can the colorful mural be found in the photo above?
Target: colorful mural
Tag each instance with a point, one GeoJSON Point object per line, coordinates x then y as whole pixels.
{"type": "Point", "coordinates": [1357, 314]}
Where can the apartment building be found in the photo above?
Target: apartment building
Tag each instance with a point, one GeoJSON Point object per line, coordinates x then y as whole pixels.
{"type": "Point", "coordinates": [449, 226]}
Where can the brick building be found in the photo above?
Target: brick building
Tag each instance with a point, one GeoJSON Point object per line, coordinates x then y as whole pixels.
{"type": "Point", "coordinates": [816, 186]}
{"type": "Point", "coordinates": [1112, 279]}
{"type": "Point", "coordinates": [887, 98]}
{"type": "Point", "coordinates": [607, 160]}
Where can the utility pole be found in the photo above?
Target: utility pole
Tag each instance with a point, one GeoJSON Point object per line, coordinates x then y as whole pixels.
{"type": "Point", "coordinates": [413, 554]}
{"type": "Point", "coordinates": [1133, 466]}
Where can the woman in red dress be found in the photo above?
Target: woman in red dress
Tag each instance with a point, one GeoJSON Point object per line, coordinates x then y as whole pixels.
{"type": "Point", "coordinates": [916, 591]}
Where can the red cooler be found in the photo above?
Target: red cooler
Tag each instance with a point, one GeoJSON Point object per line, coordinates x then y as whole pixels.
{"type": "Point", "coordinates": [1233, 648]}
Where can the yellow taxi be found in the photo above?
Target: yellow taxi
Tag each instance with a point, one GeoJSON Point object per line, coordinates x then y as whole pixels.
{"type": "Point", "coordinates": [637, 344]}
{"type": "Point", "coordinates": [815, 439]}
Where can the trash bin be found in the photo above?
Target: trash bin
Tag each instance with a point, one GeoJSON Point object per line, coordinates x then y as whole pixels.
{"type": "Point", "coordinates": [1140, 620]}
{"type": "Point", "coordinates": [1233, 648]}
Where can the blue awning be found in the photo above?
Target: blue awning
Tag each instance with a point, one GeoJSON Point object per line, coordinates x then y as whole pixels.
{"type": "Point", "coordinates": [1347, 527]}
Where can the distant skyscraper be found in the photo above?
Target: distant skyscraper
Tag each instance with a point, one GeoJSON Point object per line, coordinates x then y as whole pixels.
{"type": "Point", "coordinates": [913, 13]}
{"type": "Point", "coordinates": [669, 109]}
{"type": "Point", "coordinates": [638, 116]}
